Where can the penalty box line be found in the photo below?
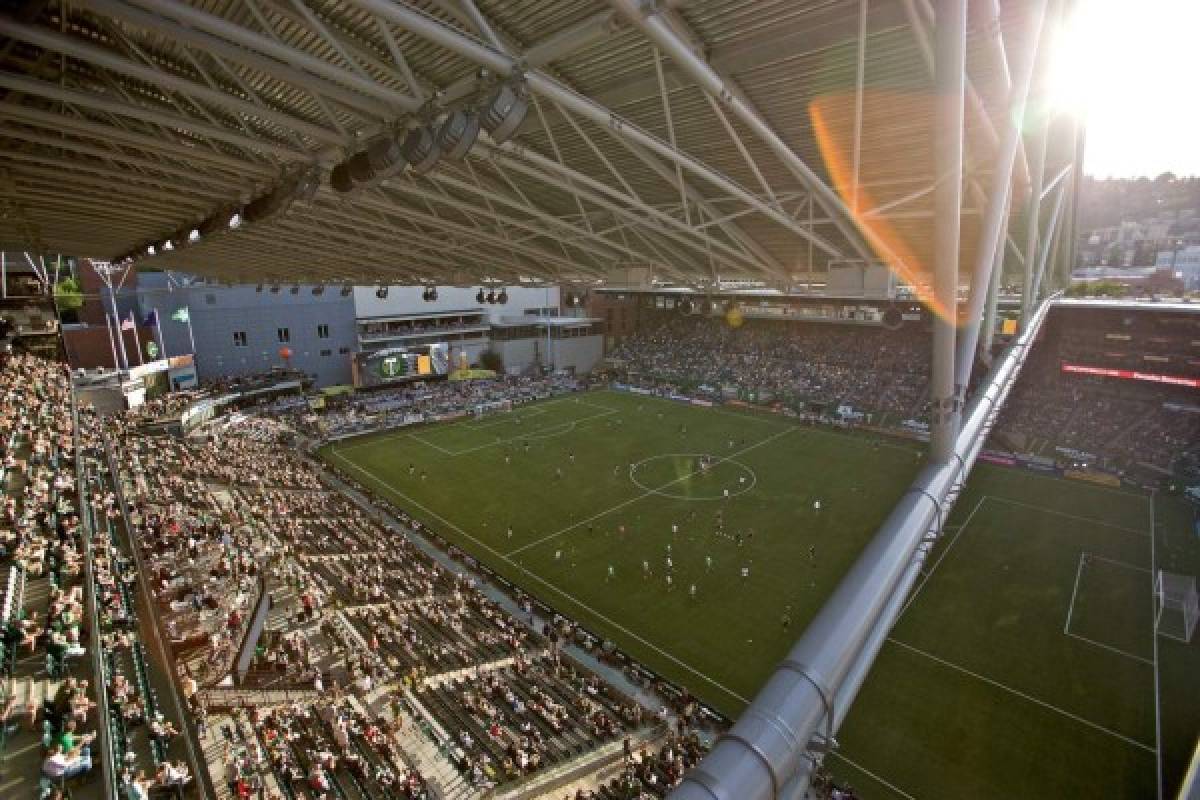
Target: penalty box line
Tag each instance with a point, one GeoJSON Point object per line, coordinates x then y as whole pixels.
{"type": "Point", "coordinates": [647, 493]}
{"type": "Point", "coordinates": [1083, 559]}
{"type": "Point", "coordinates": [540, 579]}
{"type": "Point", "coordinates": [1023, 695]}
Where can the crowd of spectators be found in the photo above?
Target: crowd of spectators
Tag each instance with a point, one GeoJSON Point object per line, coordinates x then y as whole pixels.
{"type": "Point", "coordinates": [795, 363]}
{"type": "Point", "coordinates": [1104, 422]}
{"type": "Point", "coordinates": [412, 403]}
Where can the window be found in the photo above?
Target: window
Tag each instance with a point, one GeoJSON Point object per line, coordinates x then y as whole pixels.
{"type": "Point", "coordinates": [326, 353]}
{"type": "Point", "coordinates": [284, 334]}
{"type": "Point", "coordinates": [344, 350]}
{"type": "Point", "coordinates": [239, 338]}
{"type": "Point", "coordinates": [322, 331]}
{"type": "Point", "coordinates": [211, 299]}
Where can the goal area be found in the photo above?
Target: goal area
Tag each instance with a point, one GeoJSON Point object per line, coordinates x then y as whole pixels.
{"type": "Point", "coordinates": [1178, 605]}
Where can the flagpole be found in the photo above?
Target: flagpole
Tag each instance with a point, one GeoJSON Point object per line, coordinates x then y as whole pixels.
{"type": "Point", "coordinates": [191, 336]}
{"type": "Point", "coordinates": [111, 343]}
{"type": "Point", "coordinates": [136, 339]}
{"type": "Point", "coordinates": [116, 316]}
{"type": "Point", "coordinates": [162, 345]}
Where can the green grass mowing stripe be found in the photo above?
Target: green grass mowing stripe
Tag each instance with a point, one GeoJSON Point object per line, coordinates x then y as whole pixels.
{"type": "Point", "coordinates": [1023, 695]}
{"type": "Point", "coordinates": [649, 492]}
{"type": "Point", "coordinates": [871, 775]}
{"type": "Point", "coordinates": [386, 485]}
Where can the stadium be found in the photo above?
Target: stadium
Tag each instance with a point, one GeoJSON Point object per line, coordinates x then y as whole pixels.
{"type": "Point", "coordinates": [607, 400]}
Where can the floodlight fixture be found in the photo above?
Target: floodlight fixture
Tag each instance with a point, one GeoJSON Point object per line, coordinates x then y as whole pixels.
{"type": "Point", "coordinates": [421, 149]}
{"type": "Point", "coordinates": [491, 296]}
{"type": "Point", "coordinates": [382, 292]}
{"type": "Point", "coordinates": [502, 298]}
{"type": "Point", "coordinates": [458, 133]}
{"type": "Point", "coordinates": [505, 109]}
{"type": "Point", "coordinates": [479, 298]}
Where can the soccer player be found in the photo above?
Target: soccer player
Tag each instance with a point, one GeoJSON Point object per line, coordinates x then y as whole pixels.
{"type": "Point", "coordinates": [786, 620]}
{"type": "Point", "coordinates": [817, 506]}
{"type": "Point", "coordinates": [726, 493]}
{"type": "Point", "coordinates": [558, 555]}
{"type": "Point", "coordinates": [558, 472]}
{"type": "Point", "coordinates": [616, 470]}
{"type": "Point", "coordinates": [708, 563]}
{"type": "Point", "coordinates": [812, 554]}
{"type": "Point", "coordinates": [412, 468]}
{"type": "Point", "coordinates": [668, 581]}
{"type": "Point", "coordinates": [692, 591]}
{"type": "Point", "coordinates": [669, 564]}
{"type": "Point", "coordinates": [571, 457]}
{"type": "Point", "coordinates": [674, 527]}
{"type": "Point", "coordinates": [507, 458]}
{"type": "Point", "coordinates": [510, 531]}
{"type": "Point", "coordinates": [611, 572]}
{"type": "Point", "coordinates": [645, 569]}
{"type": "Point", "coordinates": [745, 574]}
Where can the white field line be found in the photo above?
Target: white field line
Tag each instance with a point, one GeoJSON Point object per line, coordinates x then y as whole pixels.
{"type": "Point", "coordinates": [1076, 517]}
{"type": "Point", "coordinates": [648, 492]}
{"type": "Point", "coordinates": [540, 579]}
{"type": "Point", "coordinates": [1074, 592]}
{"type": "Point", "coordinates": [872, 775]}
{"type": "Point", "coordinates": [1110, 648]}
{"type": "Point", "coordinates": [1024, 696]}
{"type": "Point", "coordinates": [465, 422]}
{"type": "Point", "coordinates": [941, 556]}
{"type": "Point", "coordinates": [542, 433]}
{"type": "Point", "coordinates": [424, 441]}
{"type": "Point", "coordinates": [1154, 635]}
{"type": "Point", "coordinates": [1117, 563]}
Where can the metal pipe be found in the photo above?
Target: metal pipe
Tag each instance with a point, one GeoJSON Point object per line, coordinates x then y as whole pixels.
{"type": "Point", "coordinates": [1052, 230]}
{"type": "Point", "coordinates": [1033, 215]}
{"type": "Point", "coordinates": [659, 31]}
{"type": "Point", "coordinates": [433, 30]}
{"type": "Point", "coordinates": [950, 38]}
{"type": "Point", "coordinates": [49, 40]}
{"type": "Point", "coordinates": [988, 334]}
{"type": "Point", "coordinates": [994, 218]}
{"type": "Point", "coordinates": [765, 751]}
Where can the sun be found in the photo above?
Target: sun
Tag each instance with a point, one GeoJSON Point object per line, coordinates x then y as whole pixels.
{"type": "Point", "coordinates": [1124, 69]}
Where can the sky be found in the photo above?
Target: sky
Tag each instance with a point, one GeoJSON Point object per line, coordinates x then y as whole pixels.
{"type": "Point", "coordinates": [1131, 70]}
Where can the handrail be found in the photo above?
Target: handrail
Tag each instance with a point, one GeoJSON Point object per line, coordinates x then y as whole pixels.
{"type": "Point", "coordinates": [89, 595]}
{"type": "Point", "coordinates": [198, 767]}
{"type": "Point", "coordinates": [771, 750]}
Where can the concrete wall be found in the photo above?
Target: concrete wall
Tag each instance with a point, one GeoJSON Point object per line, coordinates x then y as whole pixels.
{"type": "Point", "coordinates": [406, 300]}
{"type": "Point", "coordinates": [580, 353]}
{"type": "Point", "coordinates": [218, 312]}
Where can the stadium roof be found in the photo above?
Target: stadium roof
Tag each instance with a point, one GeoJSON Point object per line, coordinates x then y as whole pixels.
{"type": "Point", "coordinates": [693, 139]}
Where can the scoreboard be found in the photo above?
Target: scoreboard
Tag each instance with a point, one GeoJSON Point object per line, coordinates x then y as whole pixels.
{"type": "Point", "coordinates": [399, 364]}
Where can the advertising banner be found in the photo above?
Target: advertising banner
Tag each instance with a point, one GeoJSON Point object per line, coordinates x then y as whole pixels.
{"type": "Point", "coordinates": [1132, 375]}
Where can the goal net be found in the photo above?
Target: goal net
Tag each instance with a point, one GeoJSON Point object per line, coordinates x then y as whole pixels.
{"type": "Point", "coordinates": [1178, 605]}
{"type": "Point", "coordinates": [487, 409]}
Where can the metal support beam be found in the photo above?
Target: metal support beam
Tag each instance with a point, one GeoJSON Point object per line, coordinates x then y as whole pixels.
{"type": "Point", "coordinates": [995, 218]}
{"type": "Point", "coordinates": [988, 332]}
{"type": "Point", "coordinates": [1033, 215]}
{"type": "Point", "coordinates": [659, 31]}
{"type": "Point", "coordinates": [950, 39]}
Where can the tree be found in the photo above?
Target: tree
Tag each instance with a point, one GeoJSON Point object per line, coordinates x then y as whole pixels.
{"type": "Point", "coordinates": [491, 359]}
{"type": "Point", "coordinates": [68, 296]}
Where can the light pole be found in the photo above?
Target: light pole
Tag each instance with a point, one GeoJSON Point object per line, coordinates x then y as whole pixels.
{"type": "Point", "coordinates": [106, 270]}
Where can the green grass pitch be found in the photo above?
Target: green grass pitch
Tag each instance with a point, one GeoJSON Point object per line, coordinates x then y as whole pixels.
{"type": "Point", "coordinates": [1023, 666]}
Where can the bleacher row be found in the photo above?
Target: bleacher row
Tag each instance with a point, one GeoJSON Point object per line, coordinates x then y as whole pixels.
{"type": "Point", "coordinates": [424, 681]}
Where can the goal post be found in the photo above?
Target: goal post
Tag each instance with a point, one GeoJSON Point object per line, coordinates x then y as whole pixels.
{"type": "Point", "coordinates": [1178, 605]}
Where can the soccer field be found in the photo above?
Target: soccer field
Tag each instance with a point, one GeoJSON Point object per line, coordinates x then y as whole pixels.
{"type": "Point", "coordinates": [1024, 665]}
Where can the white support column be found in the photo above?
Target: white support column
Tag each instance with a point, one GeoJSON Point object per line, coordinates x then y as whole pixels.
{"type": "Point", "coordinates": [995, 220]}
{"type": "Point", "coordinates": [950, 33]}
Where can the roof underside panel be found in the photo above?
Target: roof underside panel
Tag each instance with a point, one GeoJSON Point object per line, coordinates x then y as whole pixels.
{"type": "Point", "coordinates": [127, 123]}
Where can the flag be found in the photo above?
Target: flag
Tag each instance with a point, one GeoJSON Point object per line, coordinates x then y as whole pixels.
{"type": "Point", "coordinates": [127, 323]}
{"type": "Point", "coordinates": [180, 315]}
{"type": "Point", "coordinates": [151, 320]}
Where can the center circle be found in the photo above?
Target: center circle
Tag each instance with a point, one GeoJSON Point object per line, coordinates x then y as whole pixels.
{"type": "Point", "coordinates": [683, 478]}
